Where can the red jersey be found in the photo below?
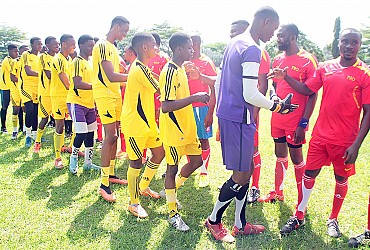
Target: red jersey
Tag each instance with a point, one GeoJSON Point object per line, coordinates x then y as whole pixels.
{"type": "Point", "coordinates": [157, 63]}
{"type": "Point", "coordinates": [206, 67]}
{"type": "Point", "coordinates": [345, 90]}
{"type": "Point", "coordinates": [301, 67]}
{"type": "Point", "coordinates": [265, 63]}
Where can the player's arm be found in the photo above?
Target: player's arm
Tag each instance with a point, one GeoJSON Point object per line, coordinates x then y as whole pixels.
{"type": "Point", "coordinates": [172, 105]}
{"type": "Point", "coordinates": [79, 84]}
{"type": "Point", "coordinates": [195, 74]}
{"type": "Point", "coordinates": [111, 75]}
{"type": "Point", "coordinates": [64, 79]}
{"type": "Point", "coordinates": [299, 134]}
{"type": "Point", "coordinates": [13, 77]}
{"type": "Point", "coordinates": [30, 72]}
{"type": "Point", "coordinates": [13, 70]}
{"type": "Point", "coordinates": [263, 86]}
{"type": "Point", "coordinates": [351, 153]}
{"type": "Point", "coordinates": [208, 120]}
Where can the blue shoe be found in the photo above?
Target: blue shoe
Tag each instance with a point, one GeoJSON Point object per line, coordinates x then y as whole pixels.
{"type": "Point", "coordinates": [44, 140]}
{"type": "Point", "coordinates": [90, 166]}
{"type": "Point", "coordinates": [73, 165]}
{"type": "Point", "coordinates": [28, 142]}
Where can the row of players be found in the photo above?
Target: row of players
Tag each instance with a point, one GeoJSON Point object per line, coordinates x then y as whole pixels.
{"type": "Point", "coordinates": [295, 71]}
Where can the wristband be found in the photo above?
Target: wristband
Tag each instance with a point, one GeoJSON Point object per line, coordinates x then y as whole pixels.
{"type": "Point", "coordinates": [303, 123]}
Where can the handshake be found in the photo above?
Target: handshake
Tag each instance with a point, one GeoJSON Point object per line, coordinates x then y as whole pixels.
{"type": "Point", "coordinates": [282, 106]}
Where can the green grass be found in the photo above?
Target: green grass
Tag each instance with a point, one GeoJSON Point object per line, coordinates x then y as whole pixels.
{"type": "Point", "coordinates": [44, 208]}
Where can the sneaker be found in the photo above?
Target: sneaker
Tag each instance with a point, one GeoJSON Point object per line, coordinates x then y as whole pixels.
{"type": "Point", "coordinates": [292, 224]}
{"type": "Point", "coordinates": [138, 211]}
{"type": "Point", "coordinates": [73, 165]}
{"type": "Point", "coordinates": [4, 131]}
{"type": "Point", "coordinates": [271, 197]}
{"type": "Point", "coordinates": [150, 193]}
{"type": "Point", "coordinates": [253, 195]}
{"type": "Point", "coordinates": [66, 149]}
{"type": "Point", "coordinates": [203, 180]}
{"type": "Point", "coordinates": [177, 222]}
{"type": "Point", "coordinates": [88, 167]}
{"type": "Point", "coordinates": [14, 135]}
{"type": "Point", "coordinates": [219, 232]}
{"type": "Point", "coordinates": [116, 180]}
{"type": "Point", "coordinates": [58, 164]}
{"type": "Point", "coordinates": [36, 147]}
{"type": "Point", "coordinates": [247, 230]}
{"type": "Point", "coordinates": [333, 228]}
{"type": "Point", "coordinates": [164, 175]}
{"type": "Point", "coordinates": [110, 197]}
{"type": "Point", "coordinates": [28, 143]}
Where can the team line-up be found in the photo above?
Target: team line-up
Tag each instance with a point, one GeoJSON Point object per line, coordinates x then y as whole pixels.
{"type": "Point", "coordinates": [167, 105]}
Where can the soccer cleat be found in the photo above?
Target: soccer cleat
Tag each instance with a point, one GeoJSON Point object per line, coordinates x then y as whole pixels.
{"type": "Point", "coordinates": [292, 224]}
{"type": "Point", "coordinates": [28, 143]}
{"type": "Point", "coordinates": [66, 149]}
{"type": "Point", "coordinates": [116, 180]}
{"type": "Point", "coordinates": [4, 131]}
{"type": "Point", "coordinates": [150, 193]}
{"type": "Point", "coordinates": [177, 222]}
{"type": "Point", "coordinates": [203, 180]}
{"type": "Point", "coordinates": [36, 147]}
{"type": "Point", "coordinates": [253, 195]}
{"type": "Point", "coordinates": [219, 232]}
{"type": "Point", "coordinates": [73, 165]}
{"type": "Point", "coordinates": [271, 197]}
{"type": "Point", "coordinates": [88, 167]}
{"type": "Point", "coordinates": [58, 164]}
{"type": "Point", "coordinates": [106, 196]}
{"type": "Point", "coordinates": [333, 228]}
{"type": "Point", "coordinates": [138, 211]}
{"type": "Point", "coordinates": [247, 230]}
{"type": "Point", "coordinates": [14, 135]}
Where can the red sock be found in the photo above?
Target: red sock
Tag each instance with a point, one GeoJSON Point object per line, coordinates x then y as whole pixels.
{"type": "Point", "coordinates": [280, 170]}
{"type": "Point", "coordinates": [205, 157]}
{"type": "Point", "coordinates": [304, 195]}
{"type": "Point", "coordinates": [123, 142]}
{"type": "Point", "coordinates": [257, 170]}
{"type": "Point", "coordinates": [144, 154]}
{"type": "Point", "coordinates": [299, 171]}
{"type": "Point", "coordinates": [100, 129]}
{"type": "Point", "coordinates": [340, 193]}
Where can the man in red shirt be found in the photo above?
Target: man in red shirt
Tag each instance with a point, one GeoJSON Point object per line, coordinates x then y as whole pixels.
{"type": "Point", "coordinates": [289, 130]}
{"type": "Point", "coordinates": [338, 134]}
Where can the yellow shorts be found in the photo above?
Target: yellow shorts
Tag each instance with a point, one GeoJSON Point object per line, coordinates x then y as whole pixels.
{"type": "Point", "coordinates": [174, 153]}
{"type": "Point", "coordinates": [29, 93]}
{"type": "Point", "coordinates": [59, 107]}
{"type": "Point", "coordinates": [44, 106]}
{"type": "Point", "coordinates": [15, 96]}
{"type": "Point", "coordinates": [135, 146]}
{"type": "Point", "coordinates": [109, 109]}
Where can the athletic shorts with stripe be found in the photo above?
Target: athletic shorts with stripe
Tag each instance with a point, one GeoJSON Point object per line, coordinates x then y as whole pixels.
{"type": "Point", "coordinates": [15, 97]}
{"type": "Point", "coordinates": [174, 153]}
{"type": "Point", "coordinates": [135, 146]}
{"type": "Point", "coordinates": [200, 114]}
{"type": "Point", "coordinates": [29, 93]}
{"type": "Point", "coordinates": [109, 109]}
{"type": "Point", "coordinates": [59, 107]}
{"type": "Point", "coordinates": [45, 108]}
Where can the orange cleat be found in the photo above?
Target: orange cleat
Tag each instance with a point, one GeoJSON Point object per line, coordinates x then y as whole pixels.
{"type": "Point", "coordinates": [271, 197]}
{"type": "Point", "coordinates": [116, 180]}
{"type": "Point", "coordinates": [36, 147]}
{"type": "Point", "coordinates": [138, 211]}
{"type": "Point", "coordinates": [219, 232]}
{"type": "Point", "coordinates": [247, 230]}
{"type": "Point", "coordinates": [150, 193]}
{"type": "Point", "coordinates": [108, 197]}
{"type": "Point", "coordinates": [58, 164]}
{"type": "Point", "coordinates": [66, 149]}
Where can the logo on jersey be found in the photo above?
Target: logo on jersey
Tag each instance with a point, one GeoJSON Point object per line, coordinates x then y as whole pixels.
{"type": "Point", "coordinates": [295, 68]}
{"type": "Point", "coordinates": [351, 78]}
{"type": "Point", "coordinates": [347, 169]}
{"type": "Point", "coordinates": [58, 112]}
{"type": "Point", "coordinates": [108, 115]}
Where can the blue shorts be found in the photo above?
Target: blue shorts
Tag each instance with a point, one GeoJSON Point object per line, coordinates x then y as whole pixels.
{"type": "Point", "coordinates": [237, 143]}
{"type": "Point", "coordinates": [200, 114]}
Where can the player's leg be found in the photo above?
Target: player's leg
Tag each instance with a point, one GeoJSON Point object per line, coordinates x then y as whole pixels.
{"type": "Point", "coordinates": [254, 191]}
{"type": "Point", "coordinates": [16, 103]}
{"type": "Point", "coordinates": [5, 100]}
{"type": "Point", "coordinates": [89, 140]}
{"type": "Point", "coordinates": [35, 120]}
{"type": "Point", "coordinates": [44, 111]}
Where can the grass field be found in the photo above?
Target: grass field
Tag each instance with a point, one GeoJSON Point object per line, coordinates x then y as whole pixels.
{"type": "Point", "coordinates": [44, 208]}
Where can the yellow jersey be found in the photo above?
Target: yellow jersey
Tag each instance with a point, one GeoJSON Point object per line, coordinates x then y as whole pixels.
{"type": "Point", "coordinates": [61, 64]}
{"type": "Point", "coordinates": [138, 112]}
{"type": "Point", "coordinates": [31, 60]}
{"type": "Point", "coordinates": [102, 87]}
{"type": "Point", "coordinates": [46, 61]}
{"type": "Point", "coordinates": [83, 68]}
{"type": "Point", "coordinates": [177, 128]}
{"type": "Point", "coordinates": [5, 73]}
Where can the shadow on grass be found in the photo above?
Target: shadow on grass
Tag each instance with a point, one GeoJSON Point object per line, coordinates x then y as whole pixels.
{"type": "Point", "coordinates": [40, 186]}
{"type": "Point", "coordinates": [35, 163]}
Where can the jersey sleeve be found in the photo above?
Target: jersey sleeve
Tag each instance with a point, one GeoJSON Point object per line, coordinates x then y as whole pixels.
{"type": "Point", "coordinates": [25, 58]}
{"type": "Point", "coordinates": [315, 82]}
{"type": "Point", "coordinates": [168, 91]}
{"type": "Point", "coordinates": [59, 66]}
{"type": "Point", "coordinates": [45, 62]}
{"type": "Point", "coordinates": [77, 68]}
{"type": "Point", "coordinates": [365, 94]}
{"type": "Point", "coordinates": [265, 63]}
{"type": "Point", "coordinates": [311, 67]}
{"type": "Point", "coordinates": [6, 64]}
{"type": "Point", "coordinates": [149, 81]}
{"type": "Point", "coordinates": [13, 67]}
{"type": "Point", "coordinates": [251, 59]}
{"type": "Point", "coordinates": [105, 53]}
{"type": "Point", "coordinates": [210, 69]}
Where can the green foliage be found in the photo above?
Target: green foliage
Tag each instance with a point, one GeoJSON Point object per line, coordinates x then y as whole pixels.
{"type": "Point", "coordinates": [215, 51]}
{"type": "Point", "coordinates": [127, 41]}
{"type": "Point", "coordinates": [364, 53]}
{"type": "Point", "coordinates": [8, 35]}
{"type": "Point", "coordinates": [335, 43]}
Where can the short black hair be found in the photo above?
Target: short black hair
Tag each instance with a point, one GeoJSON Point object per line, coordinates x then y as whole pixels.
{"type": "Point", "coordinates": [178, 39]}
{"type": "Point", "coordinates": [96, 38]}
{"type": "Point", "coordinates": [266, 12]}
{"type": "Point", "coordinates": [291, 28]}
{"type": "Point", "coordinates": [22, 46]}
{"type": "Point", "coordinates": [65, 37]}
{"type": "Point", "coordinates": [243, 22]}
{"type": "Point", "coordinates": [84, 38]}
{"type": "Point", "coordinates": [139, 39]}
{"type": "Point", "coordinates": [129, 47]}
{"type": "Point", "coordinates": [34, 39]}
{"type": "Point", "coordinates": [120, 20]}
{"type": "Point", "coordinates": [12, 46]}
{"type": "Point", "coordinates": [157, 38]}
{"type": "Point", "coordinates": [196, 38]}
{"type": "Point", "coordinates": [351, 30]}
{"type": "Point", "coordinates": [49, 39]}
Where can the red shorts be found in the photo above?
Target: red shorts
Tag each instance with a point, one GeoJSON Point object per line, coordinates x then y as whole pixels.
{"type": "Point", "coordinates": [323, 154]}
{"type": "Point", "coordinates": [289, 135]}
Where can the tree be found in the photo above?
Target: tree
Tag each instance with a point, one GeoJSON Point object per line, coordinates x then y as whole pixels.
{"type": "Point", "coordinates": [127, 41]}
{"type": "Point", "coordinates": [364, 53]}
{"type": "Point", "coordinates": [335, 43]}
{"type": "Point", "coordinates": [8, 35]}
{"type": "Point", "coordinates": [215, 51]}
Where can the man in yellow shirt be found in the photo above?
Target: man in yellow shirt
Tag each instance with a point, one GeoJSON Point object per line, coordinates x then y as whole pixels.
{"type": "Point", "coordinates": [107, 95]}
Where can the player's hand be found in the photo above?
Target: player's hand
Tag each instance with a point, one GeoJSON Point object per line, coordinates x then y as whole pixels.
{"type": "Point", "coordinates": [278, 73]}
{"type": "Point", "coordinates": [351, 154]}
{"type": "Point", "coordinates": [284, 106]}
{"type": "Point", "coordinates": [299, 135]}
{"type": "Point", "coordinates": [208, 120]}
{"type": "Point", "coordinates": [201, 97]}
{"type": "Point", "coordinates": [192, 71]}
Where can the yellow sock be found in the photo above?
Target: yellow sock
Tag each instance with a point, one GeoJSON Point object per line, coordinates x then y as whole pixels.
{"type": "Point", "coordinates": [111, 167]}
{"type": "Point", "coordinates": [149, 172]}
{"type": "Point", "coordinates": [15, 122]}
{"type": "Point", "coordinates": [105, 176]}
{"type": "Point", "coordinates": [171, 201]}
{"type": "Point", "coordinates": [180, 180]}
{"type": "Point", "coordinates": [40, 132]}
{"type": "Point", "coordinates": [62, 140]}
{"type": "Point", "coordinates": [72, 139]}
{"type": "Point", "coordinates": [57, 144]}
{"type": "Point", "coordinates": [133, 187]}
